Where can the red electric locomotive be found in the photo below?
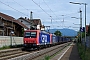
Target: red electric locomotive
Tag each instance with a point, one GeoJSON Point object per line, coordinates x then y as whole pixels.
{"type": "Point", "coordinates": [36, 38]}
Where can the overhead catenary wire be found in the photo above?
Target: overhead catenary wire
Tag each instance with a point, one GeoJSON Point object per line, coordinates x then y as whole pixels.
{"type": "Point", "coordinates": [41, 8]}
{"type": "Point", "coordinates": [65, 16]}
{"type": "Point", "coordinates": [20, 5]}
{"type": "Point", "coordinates": [50, 9]}
{"type": "Point", "coordinates": [13, 8]}
{"type": "Point", "coordinates": [27, 9]}
{"type": "Point", "coordinates": [52, 12]}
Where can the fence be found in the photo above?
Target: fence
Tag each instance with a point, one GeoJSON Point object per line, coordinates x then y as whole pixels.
{"type": "Point", "coordinates": [10, 40]}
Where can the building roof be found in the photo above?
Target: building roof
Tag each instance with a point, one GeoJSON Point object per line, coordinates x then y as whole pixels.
{"type": "Point", "coordinates": [33, 21]}
{"type": "Point", "coordinates": [9, 18]}
{"type": "Point", "coordinates": [36, 21]}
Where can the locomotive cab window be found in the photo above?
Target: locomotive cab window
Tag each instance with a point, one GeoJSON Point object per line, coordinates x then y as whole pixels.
{"type": "Point", "coordinates": [30, 34]}
{"type": "Point", "coordinates": [33, 34]}
{"type": "Point", "coordinates": [27, 34]}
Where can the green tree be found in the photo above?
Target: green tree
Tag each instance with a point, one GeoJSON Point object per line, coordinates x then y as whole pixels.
{"type": "Point", "coordinates": [58, 33]}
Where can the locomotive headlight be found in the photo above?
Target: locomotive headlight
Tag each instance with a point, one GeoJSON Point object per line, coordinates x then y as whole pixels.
{"type": "Point", "coordinates": [37, 44]}
{"type": "Point", "coordinates": [25, 41]}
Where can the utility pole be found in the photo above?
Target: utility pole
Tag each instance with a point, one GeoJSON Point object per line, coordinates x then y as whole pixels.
{"type": "Point", "coordinates": [51, 18]}
{"type": "Point", "coordinates": [63, 21]}
{"type": "Point", "coordinates": [81, 24]}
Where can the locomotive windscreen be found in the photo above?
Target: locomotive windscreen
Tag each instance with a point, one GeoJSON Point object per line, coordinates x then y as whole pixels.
{"type": "Point", "coordinates": [30, 35]}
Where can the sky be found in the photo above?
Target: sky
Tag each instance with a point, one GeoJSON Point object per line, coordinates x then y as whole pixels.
{"type": "Point", "coordinates": [54, 13]}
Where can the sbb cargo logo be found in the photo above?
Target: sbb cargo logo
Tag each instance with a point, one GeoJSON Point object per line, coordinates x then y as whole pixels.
{"type": "Point", "coordinates": [44, 38]}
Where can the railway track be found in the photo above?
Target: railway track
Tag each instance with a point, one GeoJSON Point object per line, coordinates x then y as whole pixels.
{"type": "Point", "coordinates": [18, 54]}
{"type": "Point", "coordinates": [11, 53]}
{"type": "Point", "coordinates": [48, 52]}
{"type": "Point", "coordinates": [39, 55]}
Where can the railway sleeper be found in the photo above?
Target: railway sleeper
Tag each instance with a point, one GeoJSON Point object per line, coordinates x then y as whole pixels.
{"type": "Point", "coordinates": [9, 50]}
{"type": "Point", "coordinates": [9, 53]}
{"type": "Point", "coordinates": [13, 55]}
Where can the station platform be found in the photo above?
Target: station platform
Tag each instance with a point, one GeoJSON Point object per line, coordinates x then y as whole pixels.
{"type": "Point", "coordinates": [68, 53]}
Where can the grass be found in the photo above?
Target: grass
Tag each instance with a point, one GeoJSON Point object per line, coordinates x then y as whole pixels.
{"type": "Point", "coordinates": [4, 47]}
{"type": "Point", "coordinates": [81, 51]}
{"type": "Point", "coordinates": [47, 57]}
{"type": "Point", "coordinates": [87, 54]}
{"type": "Point", "coordinates": [84, 54]}
{"type": "Point", "coordinates": [14, 46]}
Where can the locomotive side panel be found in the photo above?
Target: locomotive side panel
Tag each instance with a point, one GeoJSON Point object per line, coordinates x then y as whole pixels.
{"type": "Point", "coordinates": [54, 39]}
{"type": "Point", "coordinates": [44, 38]}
